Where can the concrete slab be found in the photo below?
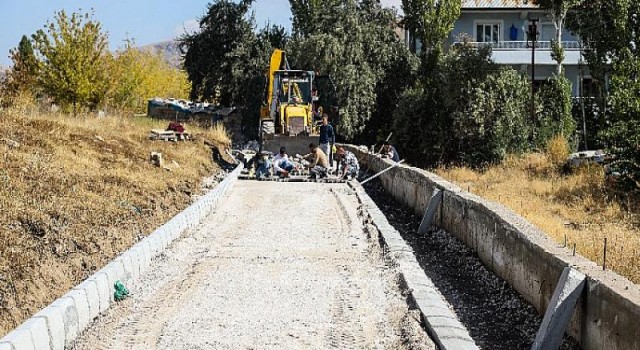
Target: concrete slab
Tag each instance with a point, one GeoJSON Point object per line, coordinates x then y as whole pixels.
{"type": "Point", "coordinates": [432, 207]}
{"type": "Point", "coordinates": [560, 309]}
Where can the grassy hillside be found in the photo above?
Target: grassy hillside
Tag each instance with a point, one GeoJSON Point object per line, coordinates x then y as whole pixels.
{"type": "Point", "coordinates": [578, 206]}
{"type": "Point", "coordinates": [75, 192]}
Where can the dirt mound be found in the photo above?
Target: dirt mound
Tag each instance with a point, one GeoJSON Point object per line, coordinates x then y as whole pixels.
{"type": "Point", "coordinates": [76, 192]}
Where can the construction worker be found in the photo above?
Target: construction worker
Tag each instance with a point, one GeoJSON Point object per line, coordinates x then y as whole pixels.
{"type": "Point", "coordinates": [390, 152]}
{"type": "Point", "coordinates": [327, 138]}
{"type": "Point", "coordinates": [319, 162]}
{"type": "Point", "coordinates": [348, 167]}
{"type": "Point", "coordinates": [282, 166]}
{"type": "Point", "coordinates": [263, 169]}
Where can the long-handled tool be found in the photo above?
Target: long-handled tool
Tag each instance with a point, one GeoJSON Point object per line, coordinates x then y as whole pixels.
{"type": "Point", "coordinates": [379, 150]}
{"type": "Point", "coordinates": [382, 172]}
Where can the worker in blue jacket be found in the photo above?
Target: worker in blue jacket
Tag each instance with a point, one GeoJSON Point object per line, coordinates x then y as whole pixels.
{"type": "Point", "coordinates": [327, 138]}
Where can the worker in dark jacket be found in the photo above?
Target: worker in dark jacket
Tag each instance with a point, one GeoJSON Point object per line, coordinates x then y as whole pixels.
{"type": "Point", "coordinates": [390, 152]}
{"type": "Point", "coordinates": [327, 138]}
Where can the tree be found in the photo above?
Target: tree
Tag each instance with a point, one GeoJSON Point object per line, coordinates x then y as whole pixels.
{"type": "Point", "coordinates": [311, 16]}
{"type": "Point", "coordinates": [611, 32]}
{"type": "Point", "coordinates": [467, 111]}
{"type": "Point", "coordinates": [71, 54]}
{"type": "Point", "coordinates": [554, 116]}
{"type": "Point", "coordinates": [607, 28]}
{"type": "Point", "coordinates": [355, 43]}
{"type": "Point", "coordinates": [249, 62]}
{"type": "Point", "coordinates": [431, 20]}
{"type": "Point", "coordinates": [137, 75]}
{"type": "Point", "coordinates": [223, 29]}
{"type": "Point", "coordinates": [557, 10]}
{"type": "Point", "coordinates": [21, 78]}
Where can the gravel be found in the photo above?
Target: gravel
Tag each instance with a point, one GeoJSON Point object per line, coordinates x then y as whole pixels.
{"type": "Point", "coordinates": [493, 312]}
{"type": "Point", "coordinates": [275, 266]}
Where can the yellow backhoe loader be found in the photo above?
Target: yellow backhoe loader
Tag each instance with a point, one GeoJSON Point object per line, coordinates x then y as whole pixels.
{"type": "Point", "coordinates": [291, 113]}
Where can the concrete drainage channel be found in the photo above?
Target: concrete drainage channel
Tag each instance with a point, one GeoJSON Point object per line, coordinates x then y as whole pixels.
{"type": "Point", "coordinates": [58, 325]}
{"type": "Point", "coordinates": [438, 318]}
{"type": "Point", "coordinates": [493, 312]}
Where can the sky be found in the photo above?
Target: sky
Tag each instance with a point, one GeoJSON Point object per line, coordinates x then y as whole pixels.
{"type": "Point", "coordinates": [147, 21]}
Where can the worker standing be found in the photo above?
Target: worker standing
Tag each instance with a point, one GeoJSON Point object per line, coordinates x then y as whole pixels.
{"type": "Point", "coordinates": [327, 138]}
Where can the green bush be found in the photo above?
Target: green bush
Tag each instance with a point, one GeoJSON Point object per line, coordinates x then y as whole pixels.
{"type": "Point", "coordinates": [465, 110]}
{"type": "Point", "coordinates": [554, 116]}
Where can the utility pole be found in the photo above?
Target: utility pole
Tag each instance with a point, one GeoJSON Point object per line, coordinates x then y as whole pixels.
{"type": "Point", "coordinates": [582, 97]}
{"type": "Point", "coordinates": [532, 42]}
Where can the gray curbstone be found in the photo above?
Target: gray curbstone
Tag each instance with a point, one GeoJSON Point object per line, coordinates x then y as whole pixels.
{"type": "Point", "coordinates": [54, 318]}
{"type": "Point", "coordinates": [58, 325]}
{"type": "Point", "coordinates": [20, 339]}
{"type": "Point", "coordinates": [114, 272]}
{"type": "Point", "coordinates": [39, 335]}
{"type": "Point", "coordinates": [102, 282]}
{"type": "Point", "coordinates": [90, 288]}
{"type": "Point", "coordinates": [441, 322]}
{"type": "Point", "coordinates": [81, 303]}
{"type": "Point", "coordinates": [69, 317]}
{"type": "Point", "coordinates": [129, 269]}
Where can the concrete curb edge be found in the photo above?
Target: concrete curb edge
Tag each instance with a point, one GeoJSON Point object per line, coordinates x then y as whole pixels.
{"type": "Point", "coordinates": [57, 325]}
{"type": "Point", "coordinates": [440, 321]}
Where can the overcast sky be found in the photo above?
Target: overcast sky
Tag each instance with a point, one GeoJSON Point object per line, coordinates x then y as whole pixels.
{"type": "Point", "coordinates": [145, 21]}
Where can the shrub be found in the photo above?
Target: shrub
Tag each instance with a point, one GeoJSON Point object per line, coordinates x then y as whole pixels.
{"type": "Point", "coordinates": [554, 115]}
{"type": "Point", "coordinates": [557, 150]}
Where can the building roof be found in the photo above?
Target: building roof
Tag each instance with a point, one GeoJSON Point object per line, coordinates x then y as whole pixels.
{"type": "Point", "coordinates": [497, 4]}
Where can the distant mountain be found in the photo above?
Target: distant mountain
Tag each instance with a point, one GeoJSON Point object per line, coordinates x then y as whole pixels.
{"type": "Point", "coordinates": [169, 50]}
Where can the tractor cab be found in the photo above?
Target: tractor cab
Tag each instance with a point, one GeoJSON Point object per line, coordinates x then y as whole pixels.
{"type": "Point", "coordinates": [293, 111]}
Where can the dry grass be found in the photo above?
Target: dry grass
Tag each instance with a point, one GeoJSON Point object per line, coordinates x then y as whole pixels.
{"type": "Point", "coordinates": [577, 207]}
{"type": "Point", "coordinates": [78, 191]}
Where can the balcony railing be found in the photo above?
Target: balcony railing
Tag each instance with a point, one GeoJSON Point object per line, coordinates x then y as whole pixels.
{"type": "Point", "coordinates": [521, 45]}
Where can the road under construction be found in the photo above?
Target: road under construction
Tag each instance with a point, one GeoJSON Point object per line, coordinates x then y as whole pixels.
{"type": "Point", "coordinates": [322, 265]}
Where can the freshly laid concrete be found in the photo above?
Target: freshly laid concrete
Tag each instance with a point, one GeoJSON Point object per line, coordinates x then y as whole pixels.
{"type": "Point", "coordinates": [275, 266]}
{"type": "Point", "coordinates": [442, 323]}
{"type": "Point", "coordinates": [608, 312]}
{"type": "Point", "coordinates": [58, 324]}
{"type": "Point", "coordinates": [560, 310]}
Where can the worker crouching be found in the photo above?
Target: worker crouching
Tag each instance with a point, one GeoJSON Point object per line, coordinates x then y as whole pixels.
{"type": "Point", "coordinates": [282, 166]}
{"type": "Point", "coordinates": [318, 162]}
{"type": "Point", "coordinates": [348, 166]}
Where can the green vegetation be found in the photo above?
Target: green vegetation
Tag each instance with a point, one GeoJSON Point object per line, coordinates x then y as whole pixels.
{"type": "Point", "coordinates": [68, 64]}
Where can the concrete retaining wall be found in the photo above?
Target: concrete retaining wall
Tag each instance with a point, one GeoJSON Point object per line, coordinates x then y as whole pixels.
{"type": "Point", "coordinates": [57, 325]}
{"type": "Point", "coordinates": [608, 313]}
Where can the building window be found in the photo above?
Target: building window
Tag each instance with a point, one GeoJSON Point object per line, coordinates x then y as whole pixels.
{"type": "Point", "coordinates": [589, 87]}
{"type": "Point", "coordinates": [488, 32]}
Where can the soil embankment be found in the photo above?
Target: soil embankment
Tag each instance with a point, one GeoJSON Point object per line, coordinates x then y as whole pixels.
{"type": "Point", "coordinates": [76, 192]}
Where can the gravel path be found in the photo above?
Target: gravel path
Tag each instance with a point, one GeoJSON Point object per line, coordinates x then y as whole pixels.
{"type": "Point", "coordinates": [276, 266]}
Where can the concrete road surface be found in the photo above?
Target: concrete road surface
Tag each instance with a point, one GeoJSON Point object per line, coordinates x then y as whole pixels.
{"type": "Point", "coordinates": [276, 266]}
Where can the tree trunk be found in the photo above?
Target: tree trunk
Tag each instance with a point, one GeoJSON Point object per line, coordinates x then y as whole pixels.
{"type": "Point", "coordinates": [559, 21]}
